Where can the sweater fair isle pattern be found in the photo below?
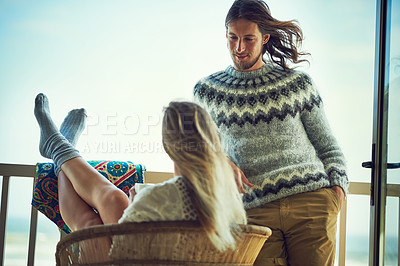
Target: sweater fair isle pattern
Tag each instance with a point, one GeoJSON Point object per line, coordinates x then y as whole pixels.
{"type": "Point", "coordinates": [273, 127]}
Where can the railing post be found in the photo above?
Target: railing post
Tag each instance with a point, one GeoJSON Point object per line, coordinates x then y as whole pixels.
{"type": "Point", "coordinates": [342, 234]}
{"type": "Point", "coordinates": [32, 234]}
{"type": "Point", "coordinates": [3, 215]}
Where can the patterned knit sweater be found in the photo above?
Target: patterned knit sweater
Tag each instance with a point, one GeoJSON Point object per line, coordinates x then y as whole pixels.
{"type": "Point", "coordinates": [273, 127]}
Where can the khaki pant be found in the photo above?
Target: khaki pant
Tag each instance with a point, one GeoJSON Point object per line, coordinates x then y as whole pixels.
{"type": "Point", "coordinates": [303, 229]}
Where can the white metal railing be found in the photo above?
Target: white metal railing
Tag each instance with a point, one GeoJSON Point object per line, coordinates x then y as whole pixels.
{"type": "Point", "coordinates": [29, 171]}
{"type": "Point", "coordinates": [17, 170]}
{"type": "Point", "coordinates": [362, 188]}
{"type": "Point", "coordinates": [7, 171]}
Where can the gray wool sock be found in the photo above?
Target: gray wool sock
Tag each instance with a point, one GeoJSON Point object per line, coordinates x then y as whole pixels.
{"type": "Point", "coordinates": [52, 144]}
{"type": "Point", "coordinates": [73, 125]}
{"type": "Point", "coordinates": [46, 124]}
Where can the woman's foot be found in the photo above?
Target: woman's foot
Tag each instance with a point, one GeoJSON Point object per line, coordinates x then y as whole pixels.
{"type": "Point", "coordinates": [52, 144]}
{"type": "Point", "coordinates": [46, 124]}
{"type": "Point", "coordinates": [73, 125]}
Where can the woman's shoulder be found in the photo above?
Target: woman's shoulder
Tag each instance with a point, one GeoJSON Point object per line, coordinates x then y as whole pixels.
{"type": "Point", "coordinates": [174, 182]}
{"type": "Point", "coordinates": [173, 192]}
{"type": "Point", "coordinates": [164, 201]}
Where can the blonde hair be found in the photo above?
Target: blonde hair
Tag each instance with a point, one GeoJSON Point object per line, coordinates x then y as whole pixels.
{"type": "Point", "coordinates": [191, 139]}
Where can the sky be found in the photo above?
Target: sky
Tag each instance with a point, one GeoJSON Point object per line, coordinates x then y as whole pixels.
{"type": "Point", "coordinates": [123, 61]}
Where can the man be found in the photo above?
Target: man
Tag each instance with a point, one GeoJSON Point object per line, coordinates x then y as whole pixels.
{"type": "Point", "coordinates": [273, 127]}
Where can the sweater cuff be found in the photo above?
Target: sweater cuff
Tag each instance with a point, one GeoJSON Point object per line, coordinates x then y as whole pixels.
{"type": "Point", "coordinates": [340, 180]}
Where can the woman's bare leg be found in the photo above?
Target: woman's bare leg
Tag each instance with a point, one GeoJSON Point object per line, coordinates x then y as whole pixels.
{"type": "Point", "coordinates": [91, 186]}
{"type": "Point", "coordinates": [76, 213]}
{"type": "Point", "coordinates": [96, 190]}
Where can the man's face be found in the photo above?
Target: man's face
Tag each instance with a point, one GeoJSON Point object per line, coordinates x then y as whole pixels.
{"type": "Point", "coordinates": [245, 43]}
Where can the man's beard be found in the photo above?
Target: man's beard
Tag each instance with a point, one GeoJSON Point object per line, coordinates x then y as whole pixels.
{"type": "Point", "coordinates": [243, 66]}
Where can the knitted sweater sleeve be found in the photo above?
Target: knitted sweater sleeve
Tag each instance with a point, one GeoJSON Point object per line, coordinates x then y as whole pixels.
{"type": "Point", "coordinates": [321, 137]}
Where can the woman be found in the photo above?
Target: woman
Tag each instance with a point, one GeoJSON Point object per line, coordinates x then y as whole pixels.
{"type": "Point", "coordinates": [203, 188]}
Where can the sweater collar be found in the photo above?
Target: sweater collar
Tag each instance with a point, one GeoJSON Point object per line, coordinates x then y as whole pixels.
{"type": "Point", "coordinates": [249, 74]}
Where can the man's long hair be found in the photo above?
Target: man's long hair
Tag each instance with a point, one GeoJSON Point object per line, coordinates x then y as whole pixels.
{"type": "Point", "coordinates": [191, 139]}
{"type": "Point", "coordinates": [285, 36]}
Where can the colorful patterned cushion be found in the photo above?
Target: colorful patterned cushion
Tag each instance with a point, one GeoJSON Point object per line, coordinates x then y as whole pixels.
{"type": "Point", "coordinates": [122, 174]}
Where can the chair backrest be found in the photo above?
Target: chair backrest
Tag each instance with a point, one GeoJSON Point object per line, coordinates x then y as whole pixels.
{"type": "Point", "coordinates": [156, 243]}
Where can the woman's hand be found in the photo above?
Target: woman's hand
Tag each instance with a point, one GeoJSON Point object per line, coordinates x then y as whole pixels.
{"type": "Point", "coordinates": [240, 177]}
{"type": "Point", "coordinates": [132, 193]}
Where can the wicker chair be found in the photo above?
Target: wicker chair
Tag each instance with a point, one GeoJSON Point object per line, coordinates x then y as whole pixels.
{"type": "Point", "coordinates": [156, 243]}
